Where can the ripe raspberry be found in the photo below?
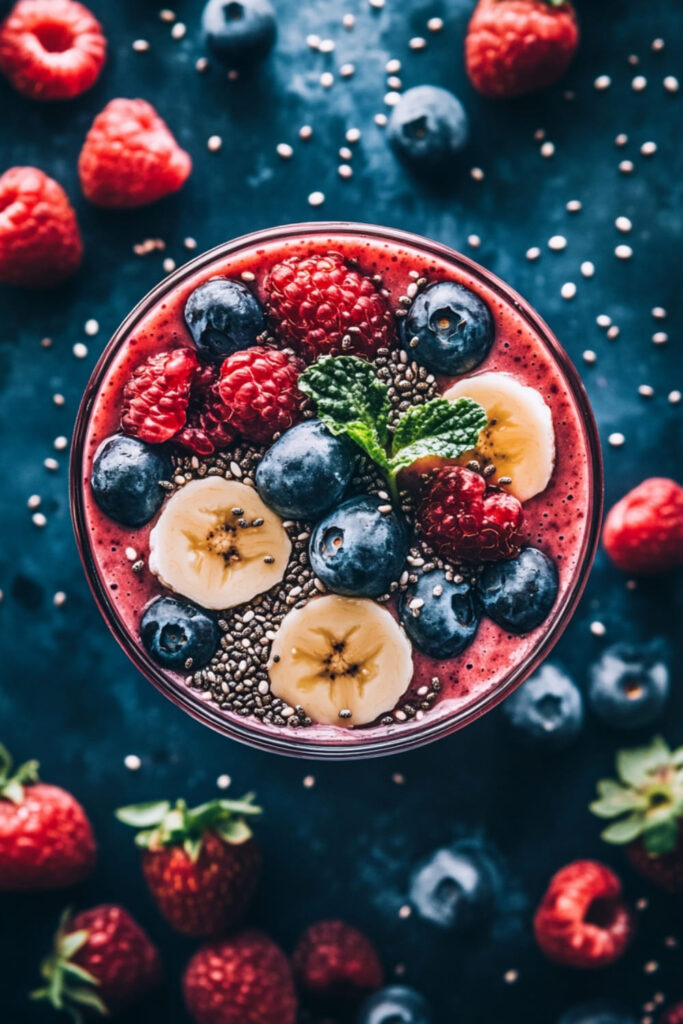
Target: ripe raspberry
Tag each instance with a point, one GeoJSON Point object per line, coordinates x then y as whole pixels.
{"type": "Point", "coordinates": [582, 920]}
{"type": "Point", "coordinates": [463, 523]}
{"type": "Point", "coordinates": [156, 396]}
{"type": "Point", "coordinates": [517, 46]}
{"type": "Point", "coordinates": [644, 531]}
{"type": "Point", "coordinates": [51, 49]}
{"type": "Point", "coordinates": [40, 244]}
{"type": "Point", "coordinates": [258, 385]}
{"type": "Point", "coordinates": [334, 961]}
{"type": "Point", "coordinates": [130, 158]}
{"type": "Point", "coordinates": [317, 302]}
{"type": "Point", "coordinates": [206, 428]}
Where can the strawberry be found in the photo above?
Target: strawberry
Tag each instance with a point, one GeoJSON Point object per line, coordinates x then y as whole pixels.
{"type": "Point", "coordinates": [156, 396]}
{"type": "Point", "coordinates": [644, 531]}
{"type": "Point", "coordinates": [335, 962]}
{"type": "Point", "coordinates": [582, 920]}
{"type": "Point", "coordinates": [647, 800]}
{"type": "Point", "coordinates": [245, 979]}
{"type": "Point", "coordinates": [102, 961]}
{"type": "Point", "coordinates": [201, 865]}
{"type": "Point", "coordinates": [46, 841]}
{"type": "Point", "coordinates": [515, 47]}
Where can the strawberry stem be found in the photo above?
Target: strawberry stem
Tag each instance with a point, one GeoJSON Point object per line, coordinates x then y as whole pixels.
{"type": "Point", "coordinates": [12, 783]}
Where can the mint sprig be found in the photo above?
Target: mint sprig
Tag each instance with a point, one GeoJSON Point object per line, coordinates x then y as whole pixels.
{"type": "Point", "coordinates": [438, 427]}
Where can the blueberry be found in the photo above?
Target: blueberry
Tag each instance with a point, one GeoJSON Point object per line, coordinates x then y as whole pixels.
{"type": "Point", "coordinates": [453, 326]}
{"type": "Point", "coordinates": [125, 479]}
{"type": "Point", "coordinates": [306, 471]}
{"type": "Point", "coordinates": [518, 594]}
{"type": "Point", "coordinates": [396, 1004]}
{"type": "Point", "coordinates": [597, 1013]}
{"type": "Point", "coordinates": [446, 621]}
{"type": "Point", "coordinates": [454, 889]}
{"type": "Point", "coordinates": [357, 550]}
{"type": "Point", "coordinates": [546, 710]}
{"type": "Point", "coordinates": [239, 31]}
{"type": "Point", "coordinates": [629, 686]}
{"type": "Point", "coordinates": [428, 126]}
{"type": "Point", "coordinates": [173, 631]}
{"type": "Point", "coordinates": [223, 316]}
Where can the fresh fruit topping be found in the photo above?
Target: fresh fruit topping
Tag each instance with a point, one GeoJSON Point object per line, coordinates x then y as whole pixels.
{"type": "Point", "coordinates": [239, 31]}
{"type": "Point", "coordinates": [125, 479]}
{"type": "Point", "coordinates": [629, 686]}
{"type": "Point", "coordinates": [46, 841]}
{"type": "Point", "coordinates": [464, 523]}
{"type": "Point", "coordinates": [449, 330]}
{"type": "Point", "coordinates": [130, 158]}
{"type": "Point", "coordinates": [455, 888]}
{"type": "Point", "coordinates": [439, 616]}
{"type": "Point", "coordinates": [546, 711]}
{"type": "Point", "coordinates": [345, 660]}
{"type": "Point", "coordinates": [515, 47]}
{"type": "Point", "coordinates": [51, 49]}
{"type": "Point", "coordinates": [360, 547]}
{"type": "Point", "coordinates": [322, 306]}
{"type": "Point", "coordinates": [597, 1013]}
{"type": "Point", "coordinates": [245, 978]}
{"type": "Point", "coordinates": [259, 387]}
{"type": "Point", "coordinates": [428, 126]}
{"type": "Point", "coordinates": [178, 635]}
{"type": "Point", "coordinates": [102, 961]}
{"type": "Point", "coordinates": [201, 864]}
{"type": "Point", "coordinates": [306, 472]}
{"type": "Point", "coordinates": [519, 440]}
{"type": "Point", "coordinates": [396, 1004]}
{"type": "Point", "coordinates": [582, 920]}
{"type": "Point", "coordinates": [647, 800]}
{"type": "Point", "coordinates": [519, 595]}
{"type": "Point", "coordinates": [156, 396]}
{"type": "Point", "coordinates": [644, 531]}
{"type": "Point", "coordinates": [334, 962]}
{"type": "Point", "coordinates": [216, 543]}
{"type": "Point", "coordinates": [223, 317]}
{"type": "Point", "coordinates": [40, 243]}
{"type": "Point", "coordinates": [207, 428]}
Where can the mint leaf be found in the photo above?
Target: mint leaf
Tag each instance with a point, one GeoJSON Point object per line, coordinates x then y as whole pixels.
{"type": "Point", "coordinates": [440, 427]}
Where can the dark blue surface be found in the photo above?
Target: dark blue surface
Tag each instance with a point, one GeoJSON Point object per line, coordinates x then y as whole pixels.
{"type": "Point", "coordinates": [69, 696]}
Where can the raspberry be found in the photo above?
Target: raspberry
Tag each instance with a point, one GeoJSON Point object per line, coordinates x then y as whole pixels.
{"type": "Point", "coordinates": [206, 429]}
{"type": "Point", "coordinates": [130, 158]}
{"type": "Point", "coordinates": [582, 921]}
{"type": "Point", "coordinates": [333, 960]}
{"type": "Point", "coordinates": [40, 244]}
{"type": "Point", "coordinates": [644, 531]}
{"type": "Point", "coordinates": [156, 396]}
{"type": "Point", "coordinates": [462, 522]}
{"type": "Point", "coordinates": [258, 385]}
{"type": "Point", "coordinates": [320, 306]}
{"type": "Point", "coordinates": [51, 49]}
{"type": "Point", "coordinates": [517, 46]}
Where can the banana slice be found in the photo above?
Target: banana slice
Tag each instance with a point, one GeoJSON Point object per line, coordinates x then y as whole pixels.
{"type": "Point", "coordinates": [519, 440]}
{"type": "Point", "coordinates": [218, 544]}
{"type": "Point", "coordinates": [340, 654]}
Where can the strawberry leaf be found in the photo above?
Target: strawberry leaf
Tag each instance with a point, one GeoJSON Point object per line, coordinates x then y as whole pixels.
{"type": "Point", "coordinates": [624, 831]}
{"type": "Point", "coordinates": [615, 800]}
{"type": "Point", "coordinates": [662, 838]}
{"type": "Point", "coordinates": [70, 942]}
{"type": "Point", "coordinates": [81, 995]}
{"type": "Point", "coordinates": [234, 831]}
{"type": "Point", "coordinates": [143, 815]}
{"type": "Point", "coordinates": [634, 766]}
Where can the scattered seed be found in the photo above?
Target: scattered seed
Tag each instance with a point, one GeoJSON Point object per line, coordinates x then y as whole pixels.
{"type": "Point", "coordinates": [80, 350]}
{"type": "Point", "coordinates": [214, 143]}
{"type": "Point", "coordinates": [178, 31]}
{"type": "Point", "coordinates": [39, 519]}
{"type": "Point", "coordinates": [623, 224]}
{"type": "Point", "coordinates": [533, 253]}
{"type": "Point", "coordinates": [284, 150]}
{"type": "Point", "coordinates": [602, 82]}
{"type": "Point", "coordinates": [598, 628]}
{"type": "Point", "coordinates": [305, 132]}
{"type": "Point", "coordinates": [590, 357]}
{"type": "Point", "coordinates": [648, 148]}
{"type": "Point", "coordinates": [417, 43]}
{"type": "Point", "coordinates": [671, 83]}
{"type": "Point", "coordinates": [141, 45]}
{"type": "Point", "coordinates": [547, 150]}
{"type": "Point", "coordinates": [674, 397]}
{"type": "Point", "coordinates": [616, 439]}
{"type": "Point", "coordinates": [132, 762]}
{"type": "Point", "coordinates": [646, 391]}
{"type": "Point", "coordinates": [587, 268]}
{"type": "Point", "coordinates": [557, 243]}
{"type": "Point", "coordinates": [626, 166]}
{"type": "Point", "coordinates": [316, 198]}
{"type": "Point", "coordinates": [59, 599]}
{"type": "Point", "coordinates": [623, 252]}
{"type": "Point", "coordinates": [574, 206]}
{"type": "Point", "coordinates": [568, 290]}
{"type": "Point", "coordinates": [660, 338]}
{"type": "Point", "coordinates": [639, 83]}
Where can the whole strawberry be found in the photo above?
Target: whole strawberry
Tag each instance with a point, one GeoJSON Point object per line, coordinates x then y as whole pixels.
{"type": "Point", "coordinates": [201, 865]}
{"type": "Point", "coordinates": [46, 841]}
{"type": "Point", "coordinates": [245, 979]}
{"type": "Point", "coordinates": [646, 801]}
{"type": "Point", "coordinates": [514, 47]}
{"type": "Point", "coordinates": [644, 531]}
{"type": "Point", "coordinates": [102, 961]}
{"type": "Point", "coordinates": [334, 961]}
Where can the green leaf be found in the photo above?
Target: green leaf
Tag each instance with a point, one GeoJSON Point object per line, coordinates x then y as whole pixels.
{"type": "Point", "coordinates": [70, 943]}
{"type": "Point", "coordinates": [442, 428]}
{"type": "Point", "coordinates": [13, 791]}
{"type": "Point", "coordinates": [78, 973]}
{"type": "Point", "coordinates": [243, 806]}
{"type": "Point", "coordinates": [635, 765]}
{"type": "Point", "coordinates": [144, 815]}
{"type": "Point", "coordinates": [81, 995]}
{"type": "Point", "coordinates": [615, 799]}
{"type": "Point", "coordinates": [146, 838]}
{"type": "Point", "coordinates": [192, 847]}
{"type": "Point", "coordinates": [234, 831]}
{"type": "Point", "coordinates": [5, 763]}
{"type": "Point", "coordinates": [624, 831]}
{"type": "Point", "coordinates": [662, 838]}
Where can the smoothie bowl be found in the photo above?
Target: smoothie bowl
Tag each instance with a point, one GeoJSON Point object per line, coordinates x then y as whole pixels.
{"type": "Point", "coordinates": [336, 489]}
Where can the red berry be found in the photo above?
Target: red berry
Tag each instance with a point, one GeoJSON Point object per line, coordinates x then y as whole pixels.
{"type": "Point", "coordinates": [582, 920]}
{"type": "Point", "coordinates": [515, 47]}
{"type": "Point", "coordinates": [156, 396]}
{"type": "Point", "coordinates": [206, 429]}
{"type": "Point", "coordinates": [245, 979]}
{"type": "Point", "coordinates": [662, 869]}
{"type": "Point", "coordinates": [332, 960]}
{"type": "Point", "coordinates": [40, 244]}
{"type": "Point", "coordinates": [258, 385]}
{"type": "Point", "coordinates": [674, 1015]}
{"type": "Point", "coordinates": [644, 531]}
{"type": "Point", "coordinates": [463, 523]}
{"type": "Point", "coordinates": [51, 49]}
{"type": "Point", "coordinates": [130, 158]}
{"type": "Point", "coordinates": [316, 302]}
